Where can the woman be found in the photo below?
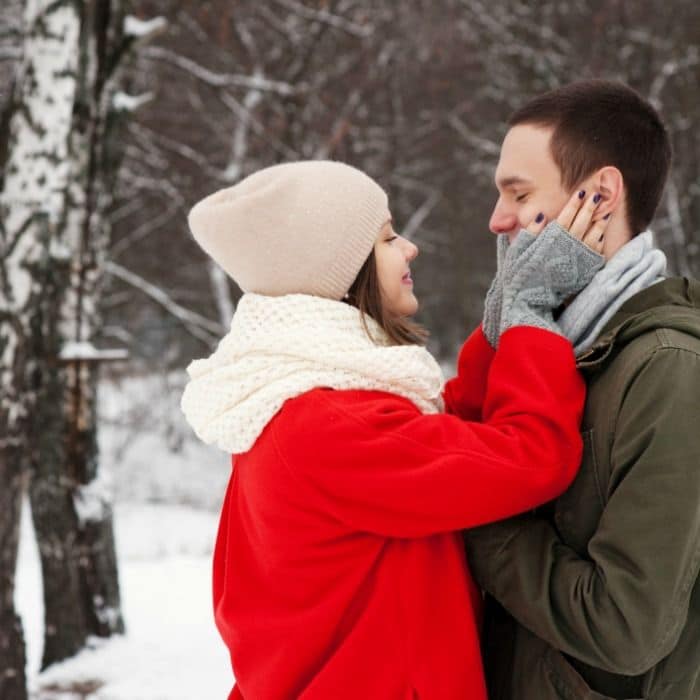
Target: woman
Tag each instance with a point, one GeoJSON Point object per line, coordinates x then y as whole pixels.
{"type": "Point", "coordinates": [338, 570]}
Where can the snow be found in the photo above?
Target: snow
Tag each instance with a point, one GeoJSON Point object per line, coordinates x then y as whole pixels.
{"type": "Point", "coordinates": [133, 26]}
{"type": "Point", "coordinates": [130, 103]}
{"type": "Point", "coordinates": [59, 250]}
{"type": "Point", "coordinates": [168, 491]}
{"type": "Point", "coordinates": [171, 650]}
{"type": "Point", "coordinates": [232, 172]}
{"type": "Point", "coordinates": [92, 501]}
{"type": "Point", "coordinates": [82, 350]}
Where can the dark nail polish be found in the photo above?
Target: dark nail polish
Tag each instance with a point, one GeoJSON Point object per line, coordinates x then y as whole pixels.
{"type": "Point", "coordinates": [582, 194]}
{"type": "Point", "coordinates": [540, 218]}
{"type": "Point", "coordinates": [596, 198]}
{"type": "Point", "coordinates": [607, 216]}
{"type": "Point", "coordinates": [602, 235]}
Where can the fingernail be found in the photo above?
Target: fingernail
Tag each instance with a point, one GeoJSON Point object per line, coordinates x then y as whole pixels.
{"type": "Point", "coordinates": [540, 218]}
{"type": "Point", "coordinates": [596, 198]}
{"type": "Point", "coordinates": [607, 216]}
{"type": "Point", "coordinates": [601, 237]}
{"type": "Point", "coordinates": [582, 194]}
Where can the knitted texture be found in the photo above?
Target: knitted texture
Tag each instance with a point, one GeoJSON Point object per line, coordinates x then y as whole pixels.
{"type": "Point", "coordinates": [295, 228]}
{"type": "Point", "coordinates": [281, 347]}
{"type": "Point", "coordinates": [506, 255]}
{"type": "Point", "coordinates": [636, 266]}
{"type": "Point", "coordinates": [552, 267]}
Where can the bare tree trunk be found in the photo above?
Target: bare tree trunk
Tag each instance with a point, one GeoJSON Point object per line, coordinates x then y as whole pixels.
{"type": "Point", "coordinates": [30, 203]}
{"type": "Point", "coordinates": [62, 154]}
{"type": "Point", "coordinates": [71, 504]}
{"type": "Point", "coordinates": [12, 444]}
{"type": "Point", "coordinates": [51, 489]}
{"type": "Point", "coordinates": [12, 655]}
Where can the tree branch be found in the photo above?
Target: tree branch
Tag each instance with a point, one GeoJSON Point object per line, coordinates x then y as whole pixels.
{"type": "Point", "coordinates": [199, 326]}
{"type": "Point", "coordinates": [157, 53]}
{"type": "Point", "coordinates": [325, 17]}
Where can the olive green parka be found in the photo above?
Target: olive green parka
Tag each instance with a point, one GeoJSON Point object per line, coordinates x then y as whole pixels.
{"type": "Point", "coordinates": [596, 595]}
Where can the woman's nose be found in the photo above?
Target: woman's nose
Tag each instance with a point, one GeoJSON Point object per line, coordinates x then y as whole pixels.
{"type": "Point", "coordinates": [411, 251]}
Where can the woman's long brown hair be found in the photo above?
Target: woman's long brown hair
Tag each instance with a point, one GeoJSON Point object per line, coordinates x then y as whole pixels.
{"type": "Point", "coordinates": [365, 294]}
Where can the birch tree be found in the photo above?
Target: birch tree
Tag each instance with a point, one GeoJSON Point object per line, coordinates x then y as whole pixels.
{"type": "Point", "coordinates": [31, 203]}
{"type": "Point", "coordinates": [62, 150]}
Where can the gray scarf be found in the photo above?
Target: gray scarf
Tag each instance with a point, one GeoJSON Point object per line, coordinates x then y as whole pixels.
{"type": "Point", "coordinates": [636, 266]}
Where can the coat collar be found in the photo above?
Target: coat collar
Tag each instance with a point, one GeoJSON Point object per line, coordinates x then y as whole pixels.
{"type": "Point", "coordinates": [673, 303]}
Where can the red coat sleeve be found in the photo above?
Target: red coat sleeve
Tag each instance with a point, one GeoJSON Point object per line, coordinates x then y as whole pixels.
{"type": "Point", "coordinates": [464, 394]}
{"type": "Point", "coordinates": [373, 461]}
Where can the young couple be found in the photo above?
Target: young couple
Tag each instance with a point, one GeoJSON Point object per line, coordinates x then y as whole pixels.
{"type": "Point", "coordinates": [340, 568]}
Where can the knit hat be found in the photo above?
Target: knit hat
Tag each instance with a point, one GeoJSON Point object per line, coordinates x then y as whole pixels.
{"type": "Point", "coordinates": [296, 228]}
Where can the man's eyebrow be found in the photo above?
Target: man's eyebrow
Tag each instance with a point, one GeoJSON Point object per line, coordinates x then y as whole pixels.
{"type": "Point", "coordinates": [512, 181]}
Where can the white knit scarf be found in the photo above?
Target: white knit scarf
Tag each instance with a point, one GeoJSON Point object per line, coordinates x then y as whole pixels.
{"type": "Point", "coordinates": [636, 266]}
{"type": "Point", "coordinates": [281, 347]}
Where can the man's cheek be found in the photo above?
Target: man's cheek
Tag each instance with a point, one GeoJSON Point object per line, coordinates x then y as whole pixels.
{"type": "Point", "coordinates": [549, 206]}
{"type": "Point", "coordinates": [528, 214]}
{"type": "Point", "coordinates": [554, 204]}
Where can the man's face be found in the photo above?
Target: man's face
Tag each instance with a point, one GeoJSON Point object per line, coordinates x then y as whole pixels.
{"type": "Point", "coordinates": [528, 181]}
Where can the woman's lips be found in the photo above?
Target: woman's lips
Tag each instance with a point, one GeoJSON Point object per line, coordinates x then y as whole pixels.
{"type": "Point", "coordinates": [406, 279]}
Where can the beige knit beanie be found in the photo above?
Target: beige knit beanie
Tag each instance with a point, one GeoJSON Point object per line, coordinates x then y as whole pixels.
{"type": "Point", "coordinates": [296, 228]}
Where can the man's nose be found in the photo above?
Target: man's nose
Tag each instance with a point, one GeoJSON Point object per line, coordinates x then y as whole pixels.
{"type": "Point", "coordinates": [502, 220]}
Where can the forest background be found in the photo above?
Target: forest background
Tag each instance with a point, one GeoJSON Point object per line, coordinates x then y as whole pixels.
{"type": "Point", "coordinates": [170, 100]}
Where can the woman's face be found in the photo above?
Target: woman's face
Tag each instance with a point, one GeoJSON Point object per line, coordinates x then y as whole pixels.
{"type": "Point", "coordinates": [393, 254]}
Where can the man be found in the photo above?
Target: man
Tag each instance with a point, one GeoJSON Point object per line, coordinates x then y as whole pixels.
{"type": "Point", "coordinates": [596, 595]}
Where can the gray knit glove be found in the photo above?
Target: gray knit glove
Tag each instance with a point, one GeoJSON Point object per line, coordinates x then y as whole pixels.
{"type": "Point", "coordinates": [506, 256]}
{"type": "Point", "coordinates": [551, 268]}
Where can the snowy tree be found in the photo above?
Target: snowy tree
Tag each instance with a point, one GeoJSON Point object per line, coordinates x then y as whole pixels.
{"type": "Point", "coordinates": [527, 48]}
{"type": "Point", "coordinates": [60, 152]}
{"type": "Point", "coordinates": [252, 83]}
{"type": "Point", "coordinates": [417, 95]}
{"type": "Point", "coordinates": [258, 83]}
{"type": "Point", "coordinates": [29, 207]}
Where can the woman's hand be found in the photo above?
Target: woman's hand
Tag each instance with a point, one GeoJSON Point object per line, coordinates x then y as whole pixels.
{"type": "Point", "coordinates": [578, 217]}
{"type": "Point", "coordinates": [553, 263]}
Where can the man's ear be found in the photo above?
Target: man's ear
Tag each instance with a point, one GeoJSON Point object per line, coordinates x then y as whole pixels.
{"type": "Point", "coordinates": [609, 182]}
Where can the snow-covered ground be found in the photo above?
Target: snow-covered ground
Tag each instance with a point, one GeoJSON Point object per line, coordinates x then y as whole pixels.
{"type": "Point", "coordinates": [168, 491]}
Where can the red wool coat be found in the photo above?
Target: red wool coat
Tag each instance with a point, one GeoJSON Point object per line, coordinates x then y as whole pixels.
{"type": "Point", "coordinates": [339, 570]}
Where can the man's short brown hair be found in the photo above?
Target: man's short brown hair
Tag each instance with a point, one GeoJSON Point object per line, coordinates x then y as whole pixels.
{"type": "Point", "coordinates": [597, 123]}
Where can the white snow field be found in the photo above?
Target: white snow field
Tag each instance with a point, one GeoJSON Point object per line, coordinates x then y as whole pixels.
{"type": "Point", "coordinates": [166, 513]}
